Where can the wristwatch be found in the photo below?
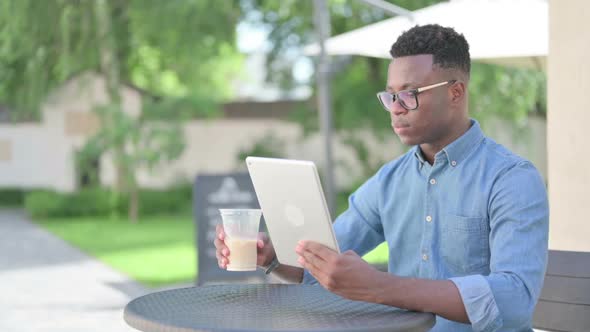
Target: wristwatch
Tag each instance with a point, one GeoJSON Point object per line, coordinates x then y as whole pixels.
{"type": "Point", "coordinates": [273, 265]}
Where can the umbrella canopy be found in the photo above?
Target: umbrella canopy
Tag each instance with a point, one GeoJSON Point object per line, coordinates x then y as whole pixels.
{"type": "Point", "coordinates": [505, 32]}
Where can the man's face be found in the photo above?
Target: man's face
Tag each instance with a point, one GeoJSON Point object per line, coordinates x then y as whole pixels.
{"type": "Point", "coordinates": [430, 122]}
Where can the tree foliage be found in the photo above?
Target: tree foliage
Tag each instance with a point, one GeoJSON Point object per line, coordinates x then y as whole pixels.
{"type": "Point", "coordinates": [168, 48]}
{"type": "Point", "coordinates": [180, 53]}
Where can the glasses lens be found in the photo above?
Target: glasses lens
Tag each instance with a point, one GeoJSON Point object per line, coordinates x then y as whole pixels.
{"type": "Point", "coordinates": [408, 99]}
{"type": "Point", "coordinates": [386, 100]}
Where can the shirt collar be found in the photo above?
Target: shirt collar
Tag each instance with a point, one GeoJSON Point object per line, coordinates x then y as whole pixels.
{"type": "Point", "coordinates": [458, 150]}
{"type": "Point", "coordinates": [419, 155]}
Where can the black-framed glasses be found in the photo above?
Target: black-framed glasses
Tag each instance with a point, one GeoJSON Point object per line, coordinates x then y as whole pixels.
{"type": "Point", "coordinates": [407, 98]}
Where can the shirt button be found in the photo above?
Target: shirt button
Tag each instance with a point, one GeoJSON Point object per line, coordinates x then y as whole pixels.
{"type": "Point", "coordinates": [453, 163]}
{"type": "Point", "coordinates": [428, 218]}
{"type": "Point", "coordinates": [424, 257]}
{"type": "Point", "coordinates": [432, 181]}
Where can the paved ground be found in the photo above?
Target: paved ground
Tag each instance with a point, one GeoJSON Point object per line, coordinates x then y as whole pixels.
{"type": "Point", "coordinates": [47, 285]}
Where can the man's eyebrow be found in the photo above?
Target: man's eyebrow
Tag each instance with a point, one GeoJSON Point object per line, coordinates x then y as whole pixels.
{"type": "Point", "coordinates": [405, 86]}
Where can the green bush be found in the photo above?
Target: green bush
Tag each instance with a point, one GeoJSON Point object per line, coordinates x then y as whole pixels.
{"type": "Point", "coordinates": [87, 202]}
{"type": "Point", "coordinates": [44, 203]}
{"type": "Point", "coordinates": [174, 200]}
{"type": "Point", "coordinates": [100, 202]}
{"type": "Point", "coordinates": [12, 197]}
{"type": "Point", "coordinates": [154, 202]}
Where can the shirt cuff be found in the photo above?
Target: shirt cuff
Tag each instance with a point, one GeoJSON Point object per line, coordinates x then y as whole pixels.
{"type": "Point", "coordinates": [480, 305]}
{"type": "Point", "coordinates": [308, 279]}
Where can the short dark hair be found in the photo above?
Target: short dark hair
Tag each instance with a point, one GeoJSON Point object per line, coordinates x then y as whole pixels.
{"type": "Point", "coordinates": [449, 49]}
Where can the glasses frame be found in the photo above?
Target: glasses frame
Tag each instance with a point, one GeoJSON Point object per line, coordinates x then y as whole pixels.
{"type": "Point", "coordinates": [415, 92]}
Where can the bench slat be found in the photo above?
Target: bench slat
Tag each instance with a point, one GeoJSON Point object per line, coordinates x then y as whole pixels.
{"type": "Point", "coordinates": [569, 264]}
{"type": "Point", "coordinates": [562, 316]}
{"type": "Point", "coordinates": [567, 290]}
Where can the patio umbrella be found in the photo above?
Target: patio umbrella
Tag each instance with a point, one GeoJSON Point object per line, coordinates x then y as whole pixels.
{"type": "Point", "coordinates": [505, 32]}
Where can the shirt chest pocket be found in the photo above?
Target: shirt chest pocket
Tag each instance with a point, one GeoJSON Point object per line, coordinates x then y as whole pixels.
{"type": "Point", "coordinates": [464, 244]}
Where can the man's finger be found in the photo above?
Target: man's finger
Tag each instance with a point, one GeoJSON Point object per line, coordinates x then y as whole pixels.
{"type": "Point", "coordinates": [309, 255]}
{"type": "Point", "coordinates": [220, 245]}
{"type": "Point", "coordinates": [312, 258]}
{"type": "Point", "coordinates": [319, 250]}
{"type": "Point", "coordinates": [316, 271]}
{"type": "Point", "coordinates": [220, 232]}
{"type": "Point", "coordinates": [221, 261]}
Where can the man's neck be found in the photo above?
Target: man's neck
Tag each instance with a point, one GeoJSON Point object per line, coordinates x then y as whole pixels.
{"type": "Point", "coordinates": [429, 150]}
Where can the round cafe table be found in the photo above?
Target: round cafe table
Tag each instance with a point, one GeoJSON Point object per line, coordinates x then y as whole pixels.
{"type": "Point", "coordinates": [266, 307]}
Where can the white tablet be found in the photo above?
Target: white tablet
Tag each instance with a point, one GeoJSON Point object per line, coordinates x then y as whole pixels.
{"type": "Point", "coordinates": [293, 204]}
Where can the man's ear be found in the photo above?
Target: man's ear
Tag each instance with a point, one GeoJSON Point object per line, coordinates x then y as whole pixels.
{"type": "Point", "coordinates": [457, 92]}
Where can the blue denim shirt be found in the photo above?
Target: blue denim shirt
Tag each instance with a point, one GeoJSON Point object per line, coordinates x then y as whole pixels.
{"type": "Point", "coordinates": [478, 216]}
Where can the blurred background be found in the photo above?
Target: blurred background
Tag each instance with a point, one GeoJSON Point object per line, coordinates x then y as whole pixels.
{"type": "Point", "coordinates": [110, 109]}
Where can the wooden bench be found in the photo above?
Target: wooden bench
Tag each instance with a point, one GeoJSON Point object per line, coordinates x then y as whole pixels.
{"type": "Point", "coordinates": [564, 304]}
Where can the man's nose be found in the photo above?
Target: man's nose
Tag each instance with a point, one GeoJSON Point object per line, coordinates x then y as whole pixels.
{"type": "Point", "coordinates": [397, 108]}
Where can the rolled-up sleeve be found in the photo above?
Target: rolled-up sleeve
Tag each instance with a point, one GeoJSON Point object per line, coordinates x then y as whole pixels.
{"type": "Point", "coordinates": [479, 302]}
{"type": "Point", "coordinates": [519, 225]}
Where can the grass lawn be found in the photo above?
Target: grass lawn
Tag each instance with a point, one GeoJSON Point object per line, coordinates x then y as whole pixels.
{"type": "Point", "coordinates": [156, 251]}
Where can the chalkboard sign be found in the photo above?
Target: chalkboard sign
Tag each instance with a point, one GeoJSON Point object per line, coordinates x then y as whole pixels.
{"type": "Point", "coordinates": [211, 193]}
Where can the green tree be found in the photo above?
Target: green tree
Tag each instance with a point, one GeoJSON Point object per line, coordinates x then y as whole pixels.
{"type": "Point", "coordinates": [39, 50]}
{"type": "Point", "coordinates": [291, 26]}
{"type": "Point", "coordinates": [181, 51]}
{"type": "Point", "coordinates": [168, 48]}
{"type": "Point", "coordinates": [134, 144]}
